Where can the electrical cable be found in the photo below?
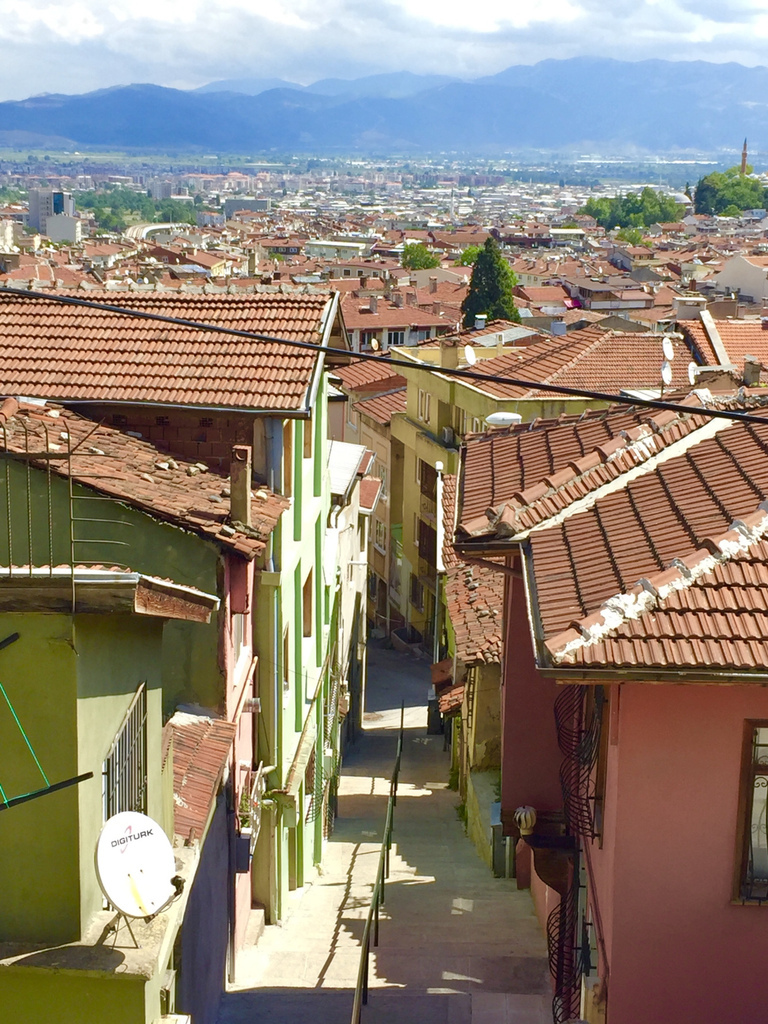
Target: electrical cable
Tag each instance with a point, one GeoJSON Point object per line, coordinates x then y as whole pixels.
{"type": "Point", "coordinates": [461, 374]}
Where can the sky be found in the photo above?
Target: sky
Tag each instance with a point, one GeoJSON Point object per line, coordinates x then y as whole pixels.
{"type": "Point", "coordinates": [75, 46]}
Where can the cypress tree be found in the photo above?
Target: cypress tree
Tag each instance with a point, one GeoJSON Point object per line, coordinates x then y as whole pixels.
{"type": "Point", "coordinates": [490, 288]}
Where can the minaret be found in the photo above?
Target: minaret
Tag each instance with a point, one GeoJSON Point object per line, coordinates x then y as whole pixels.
{"type": "Point", "coordinates": [744, 158]}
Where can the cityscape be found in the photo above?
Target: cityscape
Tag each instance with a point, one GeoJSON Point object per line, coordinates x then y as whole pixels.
{"type": "Point", "coordinates": [384, 534]}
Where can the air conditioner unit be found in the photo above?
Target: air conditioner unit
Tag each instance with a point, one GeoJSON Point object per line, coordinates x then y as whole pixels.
{"type": "Point", "coordinates": [448, 435]}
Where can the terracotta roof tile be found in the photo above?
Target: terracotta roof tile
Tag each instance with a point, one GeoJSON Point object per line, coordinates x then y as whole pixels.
{"type": "Point", "coordinates": [71, 352]}
{"type": "Point", "coordinates": [383, 407]}
{"type": "Point", "coordinates": [200, 750]}
{"type": "Point", "coordinates": [136, 472]}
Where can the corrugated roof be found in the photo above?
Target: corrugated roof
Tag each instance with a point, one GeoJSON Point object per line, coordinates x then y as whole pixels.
{"type": "Point", "coordinates": [65, 352]}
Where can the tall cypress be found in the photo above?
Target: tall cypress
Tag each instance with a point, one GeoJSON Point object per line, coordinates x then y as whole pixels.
{"type": "Point", "coordinates": [490, 288]}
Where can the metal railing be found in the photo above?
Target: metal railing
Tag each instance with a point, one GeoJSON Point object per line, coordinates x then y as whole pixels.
{"type": "Point", "coordinates": [377, 896]}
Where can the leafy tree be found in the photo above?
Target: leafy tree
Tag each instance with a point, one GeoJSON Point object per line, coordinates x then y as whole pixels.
{"type": "Point", "coordinates": [468, 256]}
{"type": "Point", "coordinates": [416, 256]}
{"type": "Point", "coordinates": [633, 210]}
{"type": "Point", "coordinates": [632, 235]}
{"type": "Point", "coordinates": [490, 288]}
{"type": "Point", "coordinates": [717, 192]}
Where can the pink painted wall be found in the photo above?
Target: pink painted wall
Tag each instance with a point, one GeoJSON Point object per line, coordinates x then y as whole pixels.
{"type": "Point", "coordinates": [678, 949]}
{"type": "Point", "coordinates": [530, 755]}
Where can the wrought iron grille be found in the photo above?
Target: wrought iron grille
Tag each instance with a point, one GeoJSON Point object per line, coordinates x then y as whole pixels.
{"type": "Point", "coordinates": [565, 947]}
{"type": "Point", "coordinates": [754, 885]}
{"type": "Point", "coordinates": [124, 774]}
{"type": "Point", "coordinates": [579, 717]}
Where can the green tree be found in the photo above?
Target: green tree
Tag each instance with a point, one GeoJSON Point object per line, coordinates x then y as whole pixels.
{"type": "Point", "coordinates": [490, 288]}
{"type": "Point", "coordinates": [632, 235]}
{"type": "Point", "coordinates": [717, 192]}
{"type": "Point", "coordinates": [634, 210]}
{"type": "Point", "coordinates": [468, 256]}
{"type": "Point", "coordinates": [416, 256]}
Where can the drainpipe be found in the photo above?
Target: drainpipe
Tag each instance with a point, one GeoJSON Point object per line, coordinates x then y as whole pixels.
{"type": "Point", "coordinates": [440, 531]}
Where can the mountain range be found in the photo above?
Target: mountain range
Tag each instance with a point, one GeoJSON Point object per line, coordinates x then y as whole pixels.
{"type": "Point", "coordinates": [584, 103]}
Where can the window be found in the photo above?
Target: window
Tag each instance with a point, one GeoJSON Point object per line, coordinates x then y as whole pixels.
{"type": "Point", "coordinates": [206, 421]}
{"type": "Point", "coordinates": [380, 535]}
{"type": "Point", "coordinates": [288, 459]}
{"type": "Point", "coordinates": [161, 421]}
{"type": "Point", "coordinates": [124, 772]}
{"type": "Point", "coordinates": [477, 425]}
{"type": "Point", "coordinates": [425, 401]}
{"type": "Point", "coordinates": [380, 471]}
{"type": "Point", "coordinates": [395, 338]}
{"type": "Point", "coordinates": [346, 272]}
{"type": "Point", "coordinates": [366, 337]}
{"type": "Point", "coordinates": [417, 593]}
{"type": "Point", "coordinates": [306, 605]}
{"type": "Point", "coordinates": [351, 416]}
{"type": "Point", "coordinates": [753, 873]}
{"type": "Point", "coordinates": [286, 662]}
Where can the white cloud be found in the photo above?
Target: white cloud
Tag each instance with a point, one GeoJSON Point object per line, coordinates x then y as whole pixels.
{"type": "Point", "coordinates": [78, 45]}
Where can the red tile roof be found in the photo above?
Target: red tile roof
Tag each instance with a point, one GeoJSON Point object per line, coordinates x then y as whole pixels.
{"type": "Point", "coordinates": [370, 489]}
{"type": "Point", "coordinates": [474, 595]}
{"type": "Point", "coordinates": [200, 750]}
{"type": "Point", "coordinates": [383, 407]}
{"type": "Point", "coordinates": [739, 337]}
{"type": "Point", "coordinates": [636, 530]}
{"type": "Point", "coordinates": [369, 375]}
{"type": "Point", "coordinates": [70, 352]}
{"type": "Point", "coordinates": [585, 472]}
{"type": "Point", "coordinates": [139, 474]}
{"type": "Point", "coordinates": [592, 359]}
{"type": "Point", "coordinates": [709, 614]}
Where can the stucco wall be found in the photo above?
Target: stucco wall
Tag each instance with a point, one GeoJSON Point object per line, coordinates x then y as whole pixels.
{"type": "Point", "coordinates": [204, 933]}
{"type": "Point", "coordinates": [678, 948]}
{"type": "Point", "coordinates": [530, 754]}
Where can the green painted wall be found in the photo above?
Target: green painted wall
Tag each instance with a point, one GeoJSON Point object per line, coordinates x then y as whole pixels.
{"type": "Point", "coordinates": [50, 996]}
{"type": "Point", "coordinates": [39, 856]}
{"type": "Point", "coordinates": [191, 672]}
{"type": "Point", "coordinates": [115, 654]}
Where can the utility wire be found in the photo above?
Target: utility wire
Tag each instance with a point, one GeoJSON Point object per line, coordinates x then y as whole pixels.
{"type": "Point", "coordinates": [461, 374]}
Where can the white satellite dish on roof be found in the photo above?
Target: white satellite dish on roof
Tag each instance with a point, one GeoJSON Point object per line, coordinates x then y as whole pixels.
{"type": "Point", "coordinates": [469, 355]}
{"type": "Point", "coordinates": [693, 373]}
{"type": "Point", "coordinates": [503, 419]}
{"type": "Point", "coordinates": [668, 348]}
{"type": "Point", "coordinates": [135, 865]}
{"type": "Point", "coordinates": [666, 373]}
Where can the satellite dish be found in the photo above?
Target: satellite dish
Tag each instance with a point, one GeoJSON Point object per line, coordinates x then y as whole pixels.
{"type": "Point", "coordinates": [135, 864]}
{"type": "Point", "coordinates": [503, 419]}
{"type": "Point", "coordinates": [666, 373]}
{"type": "Point", "coordinates": [693, 372]}
{"type": "Point", "coordinates": [668, 348]}
{"type": "Point", "coordinates": [469, 355]}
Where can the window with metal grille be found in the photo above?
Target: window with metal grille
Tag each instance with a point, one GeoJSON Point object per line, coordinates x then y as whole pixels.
{"type": "Point", "coordinates": [753, 881]}
{"type": "Point", "coordinates": [124, 773]}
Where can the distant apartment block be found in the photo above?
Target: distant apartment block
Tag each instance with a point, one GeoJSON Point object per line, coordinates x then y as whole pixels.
{"type": "Point", "coordinates": [255, 204]}
{"type": "Point", "coordinates": [48, 202]}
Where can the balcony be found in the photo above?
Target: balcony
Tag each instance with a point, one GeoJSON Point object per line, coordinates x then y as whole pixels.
{"type": "Point", "coordinates": [427, 508]}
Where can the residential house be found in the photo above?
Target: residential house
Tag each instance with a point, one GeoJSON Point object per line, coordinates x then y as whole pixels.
{"type": "Point", "coordinates": [113, 498]}
{"type": "Point", "coordinates": [198, 394]}
{"type": "Point", "coordinates": [634, 716]}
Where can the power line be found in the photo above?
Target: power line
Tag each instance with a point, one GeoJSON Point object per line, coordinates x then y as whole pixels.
{"type": "Point", "coordinates": [461, 374]}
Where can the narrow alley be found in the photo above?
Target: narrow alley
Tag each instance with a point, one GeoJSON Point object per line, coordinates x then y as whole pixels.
{"type": "Point", "coordinates": [457, 946]}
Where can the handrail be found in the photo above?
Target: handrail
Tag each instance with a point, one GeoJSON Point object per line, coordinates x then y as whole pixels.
{"type": "Point", "coordinates": [377, 896]}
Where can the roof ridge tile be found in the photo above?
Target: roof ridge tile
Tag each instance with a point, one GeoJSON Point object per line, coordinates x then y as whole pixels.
{"type": "Point", "coordinates": [650, 591]}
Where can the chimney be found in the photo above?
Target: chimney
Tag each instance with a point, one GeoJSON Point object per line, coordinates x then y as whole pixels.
{"type": "Point", "coordinates": [410, 298]}
{"type": "Point", "coordinates": [480, 321]}
{"type": "Point", "coordinates": [437, 308]}
{"type": "Point", "coordinates": [752, 369]}
{"type": "Point", "coordinates": [558, 328]}
{"type": "Point", "coordinates": [433, 285]}
{"type": "Point", "coordinates": [397, 298]}
{"type": "Point", "coordinates": [240, 484]}
{"type": "Point", "coordinates": [373, 303]}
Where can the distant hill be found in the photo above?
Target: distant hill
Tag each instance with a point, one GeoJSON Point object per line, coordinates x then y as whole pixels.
{"type": "Point", "coordinates": [592, 104]}
{"type": "Point", "coordinates": [247, 86]}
